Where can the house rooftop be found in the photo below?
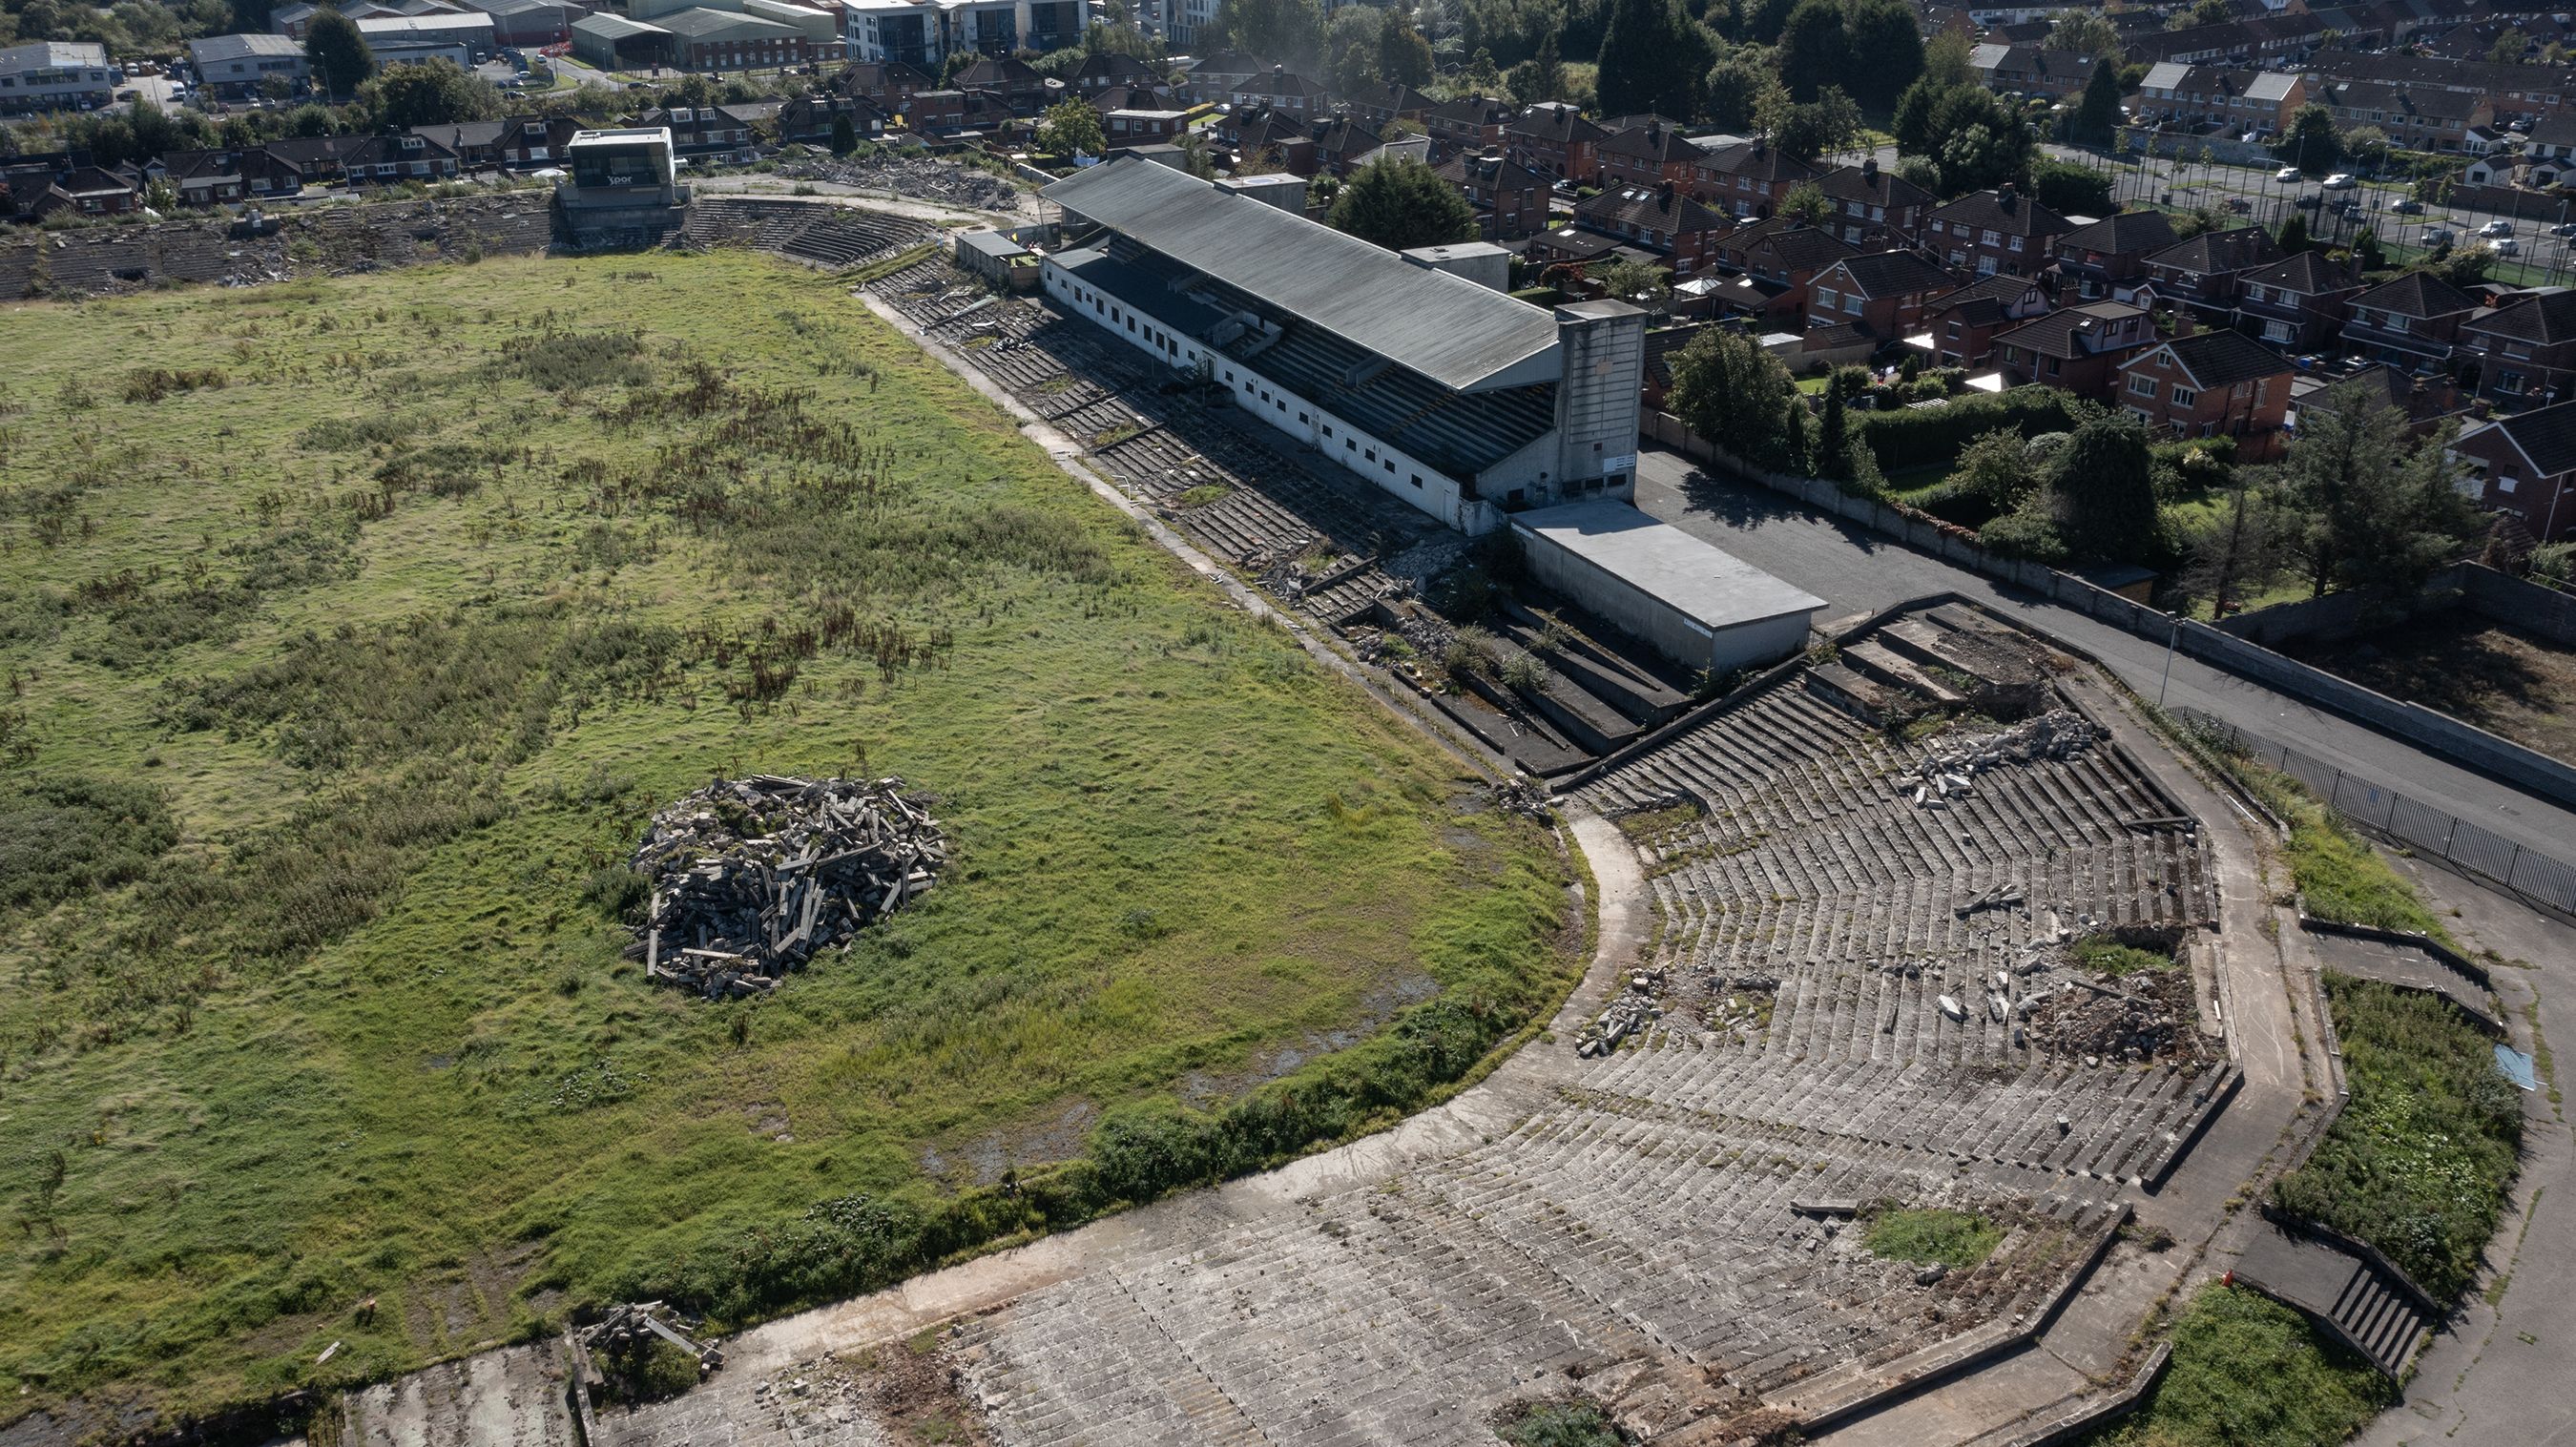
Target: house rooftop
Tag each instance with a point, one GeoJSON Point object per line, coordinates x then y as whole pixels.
{"type": "Point", "coordinates": [2547, 436]}
{"type": "Point", "coordinates": [1712, 588]}
{"type": "Point", "coordinates": [2222, 358]}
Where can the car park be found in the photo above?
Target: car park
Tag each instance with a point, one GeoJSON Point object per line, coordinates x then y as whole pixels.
{"type": "Point", "coordinates": [2239, 205]}
{"type": "Point", "coordinates": [2563, 228]}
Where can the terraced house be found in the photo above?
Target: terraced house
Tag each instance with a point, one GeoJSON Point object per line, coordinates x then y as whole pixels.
{"type": "Point", "coordinates": [2109, 257]}
{"type": "Point", "coordinates": [2526, 347]}
{"type": "Point", "coordinates": [2410, 322]}
{"type": "Point", "coordinates": [2297, 303]}
{"type": "Point", "coordinates": [1995, 231]}
{"type": "Point", "coordinates": [2201, 273]}
{"type": "Point", "coordinates": [1748, 178]}
{"type": "Point", "coordinates": [1874, 207]}
{"type": "Point", "coordinates": [1662, 219]}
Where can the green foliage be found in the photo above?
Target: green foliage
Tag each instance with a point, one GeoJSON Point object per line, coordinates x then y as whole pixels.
{"type": "Point", "coordinates": [2294, 234]}
{"type": "Point", "coordinates": [1072, 125]}
{"type": "Point", "coordinates": [2420, 1160]}
{"type": "Point", "coordinates": [1813, 51]}
{"type": "Point", "coordinates": [67, 835]}
{"type": "Point", "coordinates": [1653, 58]}
{"type": "Point", "coordinates": [1282, 32]}
{"type": "Point", "coordinates": [1833, 459]}
{"type": "Point", "coordinates": [2247, 1371]}
{"type": "Point", "coordinates": [1810, 129]}
{"type": "Point", "coordinates": [1730, 391]}
{"type": "Point", "coordinates": [1936, 436]}
{"type": "Point", "coordinates": [2069, 188]}
{"type": "Point", "coordinates": [845, 135]}
{"type": "Point", "coordinates": [432, 93]}
{"type": "Point", "coordinates": [1561, 1424]}
{"type": "Point", "coordinates": [1396, 202]}
{"type": "Point", "coordinates": [2104, 481]}
{"type": "Point", "coordinates": [2310, 143]}
{"type": "Point", "coordinates": [1806, 202]}
{"type": "Point", "coordinates": [1996, 469]}
{"type": "Point", "coordinates": [2110, 957]}
{"type": "Point", "coordinates": [2097, 114]}
{"type": "Point", "coordinates": [1956, 1239]}
{"type": "Point", "coordinates": [339, 55]}
{"type": "Point", "coordinates": [2382, 514]}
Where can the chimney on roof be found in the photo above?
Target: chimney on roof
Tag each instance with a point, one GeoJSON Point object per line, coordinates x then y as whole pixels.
{"type": "Point", "coordinates": [1869, 169]}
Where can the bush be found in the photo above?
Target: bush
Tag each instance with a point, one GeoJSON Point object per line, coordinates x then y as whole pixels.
{"type": "Point", "coordinates": [2418, 1163]}
{"type": "Point", "coordinates": [1561, 1424]}
{"type": "Point", "coordinates": [2249, 1372]}
{"type": "Point", "coordinates": [66, 835]}
{"type": "Point", "coordinates": [1937, 435]}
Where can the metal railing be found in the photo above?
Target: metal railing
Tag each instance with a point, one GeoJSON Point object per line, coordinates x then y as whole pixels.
{"type": "Point", "coordinates": [2418, 826]}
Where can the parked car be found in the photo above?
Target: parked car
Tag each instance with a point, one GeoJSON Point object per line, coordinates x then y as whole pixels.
{"type": "Point", "coordinates": [2310, 201]}
{"type": "Point", "coordinates": [2342, 181]}
{"type": "Point", "coordinates": [2507, 247]}
{"type": "Point", "coordinates": [2496, 228]}
{"type": "Point", "coordinates": [2439, 236]}
{"type": "Point", "coordinates": [2407, 206]}
{"type": "Point", "coordinates": [2563, 228]}
{"type": "Point", "coordinates": [2286, 174]}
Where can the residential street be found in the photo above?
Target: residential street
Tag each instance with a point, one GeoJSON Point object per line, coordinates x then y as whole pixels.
{"type": "Point", "coordinates": [1859, 571]}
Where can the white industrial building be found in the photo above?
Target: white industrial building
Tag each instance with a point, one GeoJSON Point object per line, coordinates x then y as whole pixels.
{"type": "Point", "coordinates": [55, 75]}
{"type": "Point", "coordinates": [1461, 400]}
{"type": "Point", "coordinates": [464, 38]}
{"type": "Point", "coordinates": [1699, 606]}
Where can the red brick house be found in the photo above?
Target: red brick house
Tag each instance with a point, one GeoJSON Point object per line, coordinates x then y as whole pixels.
{"type": "Point", "coordinates": [2526, 347]}
{"type": "Point", "coordinates": [1874, 207]}
{"type": "Point", "coordinates": [2526, 465]}
{"type": "Point", "coordinates": [2297, 303]}
{"type": "Point", "coordinates": [1382, 106]}
{"type": "Point", "coordinates": [1016, 81]}
{"type": "Point", "coordinates": [1882, 294]}
{"type": "Point", "coordinates": [1779, 259]}
{"type": "Point", "coordinates": [1647, 155]}
{"type": "Point", "coordinates": [1661, 219]}
{"type": "Point", "coordinates": [2216, 383]}
{"type": "Point", "coordinates": [1341, 143]}
{"type": "Point", "coordinates": [946, 112]}
{"type": "Point", "coordinates": [2409, 321]}
{"type": "Point", "coordinates": [385, 160]}
{"type": "Point", "coordinates": [1110, 70]}
{"type": "Point", "coordinates": [2109, 256]}
{"type": "Point", "coordinates": [2079, 349]}
{"type": "Point", "coordinates": [1748, 178]}
{"type": "Point", "coordinates": [1995, 231]}
{"type": "Point", "coordinates": [1469, 123]}
{"type": "Point", "coordinates": [88, 191]}
{"type": "Point", "coordinates": [1510, 198]}
{"type": "Point", "coordinates": [1554, 137]}
{"type": "Point", "coordinates": [1282, 90]}
{"type": "Point", "coordinates": [2201, 273]}
{"type": "Point", "coordinates": [890, 83]}
{"type": "Point", "coordinates": [1959, 327]}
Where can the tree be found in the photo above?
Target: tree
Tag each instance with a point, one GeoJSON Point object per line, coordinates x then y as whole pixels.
{"type": "Point", "coordinates": [2240, 553]}
{"type": "Point", "coordinates": [1806, 202]}
{"type": "Point", "coordinates": [1072, 125]}
{"type": "Point", "coordinates": [1886, 51]}
{"type": "Point", "coordinates": [2509, 48]}
{"type": "Point", "coordinates": [2085, 32]}
{"type": "Point", "coordinates": [1653, 57]}
{"type": "Point", "coordinates": [2070, 189]}
{"type": "Point", "coordinates": [2294, 234]}
{"type": "Point", "coordinates": [2105, 482]}
{"type": "Point", "coordinates": [2375, 517]}
{"type": "Point", "coordinates": [1827, 124]}
{"type": "Point", "coordinates": [1282, 32]}
{"type": "Point", "coordinates": [432, 93]}
{"type": "Point", "coordinates": [1912, 121]}
{"type": "Point", "coordinates": [2367, 251]}
{"type": "Point", "coordinates": [1542, 77]}
{"type": "Point", "coordinates": [2098, 113]}
{"type": "Point", "coordinates": [1194, 155]}
{"type": "Point", "coordinates": [1946, 59]}
{"type": "Point", "coordinates": [2311, 143]}
{"type": "Point", "coordinates": [1995, 469]}
{"type": "Point", "coordinates": [1765, 19]}
{"type": "Point", "coordinates": [1983, 143]}
{"type": "Point", "coordinates": [1814, 51]}
{"type": "Point", "coordinates": [2464, 267]}
{"type": "Point", "coordinates": [1404, 57]}
{"type": "Point", "coordinates": [1738, 396]}
{"type": "Point", "coordinates": [1735, 90]}
{"type": "Point", "coordinates": [338, 54]}
{"type": "Point", "coordinates": [1642, 282]}
{"type": "Point", "coordinates": [1832, 458]}
{"type": "Point", "coordinates": [1352, 40]}
{"type": "Point", "coordinates": [1399, 204]}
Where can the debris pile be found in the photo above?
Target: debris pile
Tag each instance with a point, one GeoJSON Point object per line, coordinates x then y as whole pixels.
{"type": "Point", "coordinates": [1522, 795]}
{"type": "Point", "coordinates": [945, 182]}
{"type": "Point", "coordinates": [1629, 1013]}
{"type": "Point", "coordinates": [752, 876]}
{"type": "Point", "coordinates": [1950, 766]}
{"type": "Point", "coordinates": [632, 1327]}
{"type": "Point", "coordinates": [2129, 1021]}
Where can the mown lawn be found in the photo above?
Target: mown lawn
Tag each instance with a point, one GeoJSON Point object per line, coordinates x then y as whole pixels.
{"type": "Point", "coordinates": [349, 631]}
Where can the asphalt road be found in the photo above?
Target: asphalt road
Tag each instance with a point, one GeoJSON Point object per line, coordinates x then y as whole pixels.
{"type": "Point", "coordinates": [1858, 571]}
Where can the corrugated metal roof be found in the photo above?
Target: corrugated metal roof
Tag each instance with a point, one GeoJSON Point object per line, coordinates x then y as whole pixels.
{"type": "Point", "coordinates": [1715, 588]}
{"type": "Point", "coordinates": [1447, 328]}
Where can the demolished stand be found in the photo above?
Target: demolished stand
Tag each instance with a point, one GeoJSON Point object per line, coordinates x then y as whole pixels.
{"type": "Point", "coordinates": [752, 876]}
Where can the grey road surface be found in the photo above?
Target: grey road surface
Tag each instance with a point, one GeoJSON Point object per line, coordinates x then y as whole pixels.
{"type": "Point", "coordinates": [1858, 571]}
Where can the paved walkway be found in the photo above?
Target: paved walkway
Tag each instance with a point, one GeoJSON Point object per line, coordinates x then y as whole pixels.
{"type": "Point", "coordinates": [1857, 570]}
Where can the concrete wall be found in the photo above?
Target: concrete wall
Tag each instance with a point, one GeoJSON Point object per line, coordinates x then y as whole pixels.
{"type": "Point", "coordinates": [2462, 743]}
{"type": "Point", "coordinates": [1597, 402]}
{"type": "Point", "coordinates": [2529, 607]}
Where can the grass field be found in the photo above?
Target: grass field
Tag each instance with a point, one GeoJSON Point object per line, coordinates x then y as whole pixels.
{"type": "Point", "coordinates": [351, 628]}
{"type": "Point", "coordinates": [2249, 1372]}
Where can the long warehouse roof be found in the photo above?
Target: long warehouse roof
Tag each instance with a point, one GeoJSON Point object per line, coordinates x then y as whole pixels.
{"type": "Point", "coordinates": [1714, 588]}
{"type": "Point", "coordinates": [1459, 334]}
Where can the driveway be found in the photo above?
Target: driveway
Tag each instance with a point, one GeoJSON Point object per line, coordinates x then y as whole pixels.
{"type": "Point", "coordinates": [1859, 571]}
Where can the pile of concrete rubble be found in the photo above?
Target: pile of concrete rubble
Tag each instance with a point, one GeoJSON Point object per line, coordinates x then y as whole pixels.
{"type": "Point", "coordinates": [752, 877]}
{"type": "Point", "coordinates": [1629, 1013]}
{"type": "Point", "coordinates": [1951, 765]}
{"type": "Point", "coordinates": [945, 182]}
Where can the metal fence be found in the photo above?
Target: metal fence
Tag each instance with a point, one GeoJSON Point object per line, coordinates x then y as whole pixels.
{"type": "Point", "coordinates": [2417, 825]}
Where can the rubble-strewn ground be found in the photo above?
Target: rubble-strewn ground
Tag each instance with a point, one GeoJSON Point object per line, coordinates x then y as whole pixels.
{"type": "Point", "coordinates": [329, 240]}
{"type": "Point", "coordinates": [398, 601]}
{"type": "Point", "coordinates": [2470, 667]}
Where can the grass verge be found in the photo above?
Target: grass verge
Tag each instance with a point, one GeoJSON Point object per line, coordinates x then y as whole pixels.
{"type": "Point", "coordinates": [1956, 1239]}
{"type": "Point", "coordinates": [2247, 1371]}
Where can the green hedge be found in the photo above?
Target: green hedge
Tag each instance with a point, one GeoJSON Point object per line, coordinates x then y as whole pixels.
{"type": "Point", "coordinates": [1920, 436]}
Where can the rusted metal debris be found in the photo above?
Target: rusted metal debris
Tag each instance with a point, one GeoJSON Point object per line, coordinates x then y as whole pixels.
{"type": "Point", "coordinates": [752, 877]}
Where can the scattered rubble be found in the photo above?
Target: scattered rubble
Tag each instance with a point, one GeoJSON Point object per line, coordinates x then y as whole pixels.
{"type": "Point", "coordinates": [1523, 795]}
{"type": "Point", "coordinates": [920, 178]}
{"type": "Point", "coordinates": [1950, 765]}
{"type": "Point", "coordinates": [751, 877]}
{"type": "Point", "coordinates": [1628, 1013]}
{"type": "Point", "coordinates": [2133, 1020]}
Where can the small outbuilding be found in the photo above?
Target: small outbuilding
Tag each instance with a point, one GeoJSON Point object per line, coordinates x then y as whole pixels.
{"type": "Point", "coordinates": [1701, 607]}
